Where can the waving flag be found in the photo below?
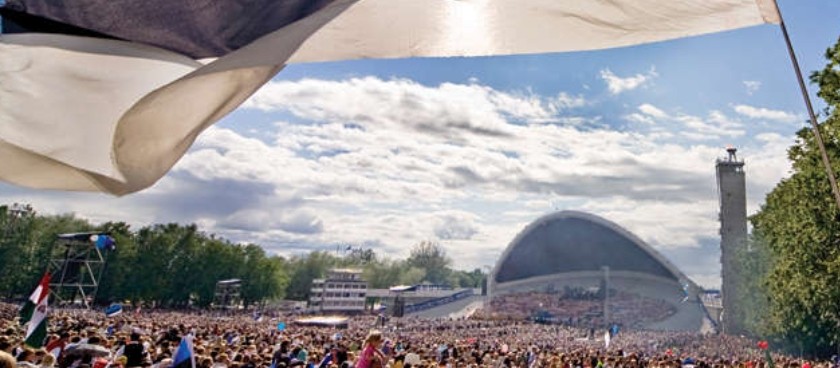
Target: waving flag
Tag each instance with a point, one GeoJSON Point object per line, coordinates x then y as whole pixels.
{"type": "Point", "coordinates": [40, 293]}
{"type": "Point", "coordinates": [102, 95]}
{"type": "Point", "coordinates": [36, 331]}
{"type": "Point", "coordinates": [113, 310]}
{"type": "Point", "coordinates": [184, 356]}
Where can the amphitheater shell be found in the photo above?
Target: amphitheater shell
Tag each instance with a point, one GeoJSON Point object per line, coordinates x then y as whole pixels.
{"type": "Point", "coordinates": [573, 250]}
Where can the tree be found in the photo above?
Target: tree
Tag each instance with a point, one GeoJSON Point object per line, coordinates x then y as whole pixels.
{"type": "Point", "coordinates": [304, 270]}
{"type": "Point", "coordinates": [800, 224]}
{"type": "Point", "coordinates": [755, 262]}
{"type": "Point", "coordinates": [432, 258]}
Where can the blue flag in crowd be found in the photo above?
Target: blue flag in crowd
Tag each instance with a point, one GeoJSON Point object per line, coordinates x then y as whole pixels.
{"type": "Point", "coordinates": [113, 310]}
{"type": "Point", "coordinates": [184, 357]}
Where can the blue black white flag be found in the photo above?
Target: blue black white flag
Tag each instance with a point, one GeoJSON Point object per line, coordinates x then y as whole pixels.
{"type": "Point", "coordinates": [145, 78]}
{"type": "Point", "coordinates": [184, 356]}
{"type": "Point", "coordinates": [113, 310]}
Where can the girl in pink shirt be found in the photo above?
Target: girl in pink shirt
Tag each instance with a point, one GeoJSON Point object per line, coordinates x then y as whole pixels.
{"type": "Point", "coordinates": [371, 356]}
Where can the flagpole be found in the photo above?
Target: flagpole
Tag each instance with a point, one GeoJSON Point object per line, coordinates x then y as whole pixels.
{"type": "Point", "coordinates": [814, 125]}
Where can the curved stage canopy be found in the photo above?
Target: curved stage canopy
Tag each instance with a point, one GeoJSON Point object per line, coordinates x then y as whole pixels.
{"type": "Point", "coordinates": [571, 241]}
{"type": "Point", "coordinates": [575, 249]}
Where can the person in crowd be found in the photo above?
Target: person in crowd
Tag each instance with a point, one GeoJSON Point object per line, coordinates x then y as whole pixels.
{"type": "Point", "coordinates": [7, 360]}
{"type": "Point", "coordinates": [48, 361]}
{"type": "Point", "coordinates": [371, 356]}
{"type": "Point", "coordinates": [134, 351]}
{"type": "Point", "coordinates": [27, 359]}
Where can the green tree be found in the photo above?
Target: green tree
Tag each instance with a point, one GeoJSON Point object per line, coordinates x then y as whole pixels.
{"type": "Point", "coordinates": [800, 224]}
{"type": "Point", "coordinates": [383, 274]}
{"type": "Point", "coordinates": [305, 269]}
{"type": "Point", "coordinates": [16, 225]}
{"type": "Point", "coordinates": [118, 264]}
{"type": "Point", "coordinates": [431, 257]}
{"type": "Point", "coordinates": [755, 263]}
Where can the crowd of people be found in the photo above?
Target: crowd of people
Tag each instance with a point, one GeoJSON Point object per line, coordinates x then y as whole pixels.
{"type": "Point", "coordinates": [149, 338]}
{"type": "Point", "coordinates": [582, 310]}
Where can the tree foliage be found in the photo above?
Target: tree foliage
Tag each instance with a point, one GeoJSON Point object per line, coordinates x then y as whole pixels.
{"type": "Point", "coordinates": [173, 265]}
{"type": "Point", "coordinates": [800, 224]}
{"type": "Point", "coordinates": [178, 265]}
{"type": "Point", "coordinates": [431, 258]}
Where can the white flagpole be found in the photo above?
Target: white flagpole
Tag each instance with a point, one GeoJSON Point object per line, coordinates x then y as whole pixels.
{"type": "Point", "coordinates": [814, 125]}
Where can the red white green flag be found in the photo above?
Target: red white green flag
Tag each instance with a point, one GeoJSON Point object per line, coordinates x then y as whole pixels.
{"type": "Point", "coordinates": [36, 317]}
{"type": "Point", "coordinates": [40, 293]}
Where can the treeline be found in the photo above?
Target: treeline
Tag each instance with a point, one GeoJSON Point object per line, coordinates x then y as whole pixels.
{"type": "Point", "coordinates": [177, 265]}
{"type": "Point", "coordinates": [791, 283]}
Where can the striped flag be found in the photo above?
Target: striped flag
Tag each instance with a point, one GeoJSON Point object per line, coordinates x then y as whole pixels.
{"type": "Point", "coordinates": [36, 330]}
{"type": "Point", "coordinates": [147, 77]}
{"type": "Point", "coordinates": [184, 356]}
{"type": "Point", "coordinates": [41, 291]}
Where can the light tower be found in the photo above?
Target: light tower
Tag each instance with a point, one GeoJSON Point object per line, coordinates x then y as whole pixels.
{"type": "Point", "coordinates": [733, 235]}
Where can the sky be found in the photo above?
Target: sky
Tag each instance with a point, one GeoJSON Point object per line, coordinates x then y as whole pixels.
{"type": "Point", "coordinates": [383, 154]}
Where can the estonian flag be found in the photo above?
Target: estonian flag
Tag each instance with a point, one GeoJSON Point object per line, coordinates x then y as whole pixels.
{"type": "Point", "coordinates": [113, 310]}
{"type": "Point", "coordinates": [41, 291]}
{"type": "Point", "coordinates": [104, 95]}
{"type": "Point", "coordinates": [184, 357]}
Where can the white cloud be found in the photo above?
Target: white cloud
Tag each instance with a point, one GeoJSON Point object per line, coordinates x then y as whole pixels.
{"type": "Point", "coordinates": [566, 101]}
{"type": "Point", "coordinates": [714, 127]}
{"type": "Point", "coordinates": [768, 114]}
{"type": "Point", "coordinates": [617, 84]}
{"type": "Point", "coordinates": [752, 86]}
{"type": "Point", "coordinates": [640, 118]}
{"type": "Point", "coordinates": [652, 111]}
{"type": "Point", "coordinates": [392, 162]}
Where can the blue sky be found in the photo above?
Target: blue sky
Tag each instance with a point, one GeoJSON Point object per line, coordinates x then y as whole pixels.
{"type": "Point", "coordinates": [467, 151]}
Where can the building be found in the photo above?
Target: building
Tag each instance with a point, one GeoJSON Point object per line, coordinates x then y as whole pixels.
{"type": "Point", "coordinates": [733, 235]}
{"type": "Point", "coordinates": [580, 269]}
{"type": "Point", "coordinates": [342, 291]}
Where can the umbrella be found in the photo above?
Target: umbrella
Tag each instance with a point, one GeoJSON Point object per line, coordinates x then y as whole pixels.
{"type": "Point", "coordinates": [86, 349]}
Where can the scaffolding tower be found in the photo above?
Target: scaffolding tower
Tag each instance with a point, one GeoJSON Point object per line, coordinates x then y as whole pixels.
{"type": "Point", "coordinates": [76, 265]}
{"type": "Point", "coordinates": [228, 294]}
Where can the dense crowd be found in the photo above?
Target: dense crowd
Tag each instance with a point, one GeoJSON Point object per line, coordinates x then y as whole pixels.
{"type": "Point", "coordinates": [150, 338]}
{"type": "Point", "coordinates": [628, 310]}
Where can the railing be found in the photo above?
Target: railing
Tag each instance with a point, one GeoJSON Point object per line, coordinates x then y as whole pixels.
{"type": "Point", "coordinates": [429, 304]}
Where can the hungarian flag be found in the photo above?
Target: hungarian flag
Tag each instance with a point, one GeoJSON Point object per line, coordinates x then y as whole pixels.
{"type": "Point", "coordinates": [104, 95]}
{"type": "Point", "coordinates": [40, 293]}
{"type": "Point", "coordinates": [36, 331]}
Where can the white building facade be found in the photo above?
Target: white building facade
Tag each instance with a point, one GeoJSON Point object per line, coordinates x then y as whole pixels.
{"type": "Point", "coordinates": [342, 291]}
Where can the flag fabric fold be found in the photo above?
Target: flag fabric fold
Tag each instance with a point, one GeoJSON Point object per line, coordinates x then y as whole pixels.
{"type": "Point", "coordinates": [40, 293]}
{"type": "Point", "coordinates": [107, 96]}
{"type": "Point", "coordinates": [36, 329]}
{"type": "Point", "coordinates": [184, 356]}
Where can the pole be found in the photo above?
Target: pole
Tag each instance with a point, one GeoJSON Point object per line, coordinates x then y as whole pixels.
{"type": "Point", "coordinates": [814, 125]}
{"type": "Point", "coordinates": [607, 296]}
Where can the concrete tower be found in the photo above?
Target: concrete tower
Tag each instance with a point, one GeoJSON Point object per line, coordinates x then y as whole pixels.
{"type": "Point", "coordinates": [733, 235]}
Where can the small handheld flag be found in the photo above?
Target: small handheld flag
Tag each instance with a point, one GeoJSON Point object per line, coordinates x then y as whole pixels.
{"type": "Point", "coordinates": [184, 356]}
{"type": "Point", "coordinates": [38, 294]}
{"type": "Point", "coordinates": [113, 310]}
{"type": "Point", "coordinates": [36, 330]}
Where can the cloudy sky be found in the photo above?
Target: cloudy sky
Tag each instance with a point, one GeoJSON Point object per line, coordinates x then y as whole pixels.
{"type": "Point", "coordinates": [383, 154]}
